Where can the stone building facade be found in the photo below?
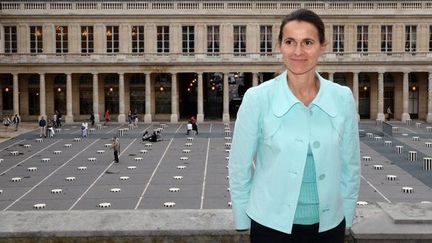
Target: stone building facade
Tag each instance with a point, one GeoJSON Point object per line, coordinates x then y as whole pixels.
{"type": "Point", "coordinates": [169, 60]}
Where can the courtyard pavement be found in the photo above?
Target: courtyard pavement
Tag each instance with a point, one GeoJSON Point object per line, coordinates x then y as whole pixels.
{"type": "Point", "coordinates": [67, 172]}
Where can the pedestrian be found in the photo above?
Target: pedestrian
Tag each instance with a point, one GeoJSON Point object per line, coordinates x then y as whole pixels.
{"type": "Point", "coordinates": [6, 122]}
{"type": "Point", "coordinates": [42, 127]}
{"type": "Point", "coordinates": [301, 132]}
{"type": "Point", "coordinates": [58, 121]}
{"type": "Point", "coordinates": [116, 147]}
{"type": "Point", "coordinates": [194, 124]}
{"type": "Point", "coordinates": [84, 129]}
{"type": "Point", "coordinates": [188, 128]}
{"type": "Point", "coordinates": [16, 120]}
{"type": "Point", "coordinates": [389, 113]}
{"type": "Point", "coordinates": [50, 128]}
{"type": "Point", "coordinates": [54, 120]}
{"type": "Point", "coordinates": [92, 119]}
{"type": "Point", "coordinates": [107, 117]}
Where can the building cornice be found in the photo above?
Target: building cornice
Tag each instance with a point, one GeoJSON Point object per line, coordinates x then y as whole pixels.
{"type": "Point", "coordinates": [214, 8]}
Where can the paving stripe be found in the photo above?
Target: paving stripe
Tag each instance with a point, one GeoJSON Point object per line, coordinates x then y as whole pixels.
{"type": "Point", "coordinates": [113, 129]}
{"type": "Point", "coordinates": [154, 171]}
{"type": "Point", "coordinates": [103, 172]}
{"type": "Point", "coordinates": [29, 157]}
{"type": "Point", "coordinates": [1, 150]}
{"type": "Point", "coordinates": [52, 173]}
{"type": "Point", "coordinates": [371, 185]}
{"type": "Point", "coordinates": [205, 168]}
{"type": "Point", "coordinates": [411, 131]}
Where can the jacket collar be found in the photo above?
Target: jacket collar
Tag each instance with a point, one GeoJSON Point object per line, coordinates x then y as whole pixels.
{"type": "Point", "coordinates": [284, 99]}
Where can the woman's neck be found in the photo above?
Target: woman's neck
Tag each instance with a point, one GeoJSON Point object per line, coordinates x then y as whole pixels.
{"type": "Point", "coordinates": [304, 87]}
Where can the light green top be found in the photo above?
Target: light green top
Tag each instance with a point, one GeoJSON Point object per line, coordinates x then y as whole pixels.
{"type": "Point", "coordinates": [307, 211]}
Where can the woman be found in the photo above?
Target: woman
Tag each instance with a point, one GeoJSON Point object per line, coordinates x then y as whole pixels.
{"type": "Point", "coordinates": [301, 132]}
{"type": "Point", "coordinates": [107, 117]}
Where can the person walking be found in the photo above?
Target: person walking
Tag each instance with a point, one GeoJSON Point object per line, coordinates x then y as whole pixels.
{"type": "Point", "coordinates": [92, 119]}
{"type": "Point", "coordinates": [42, 127]}
{"type": "Point", "coordinates": [389, 113]}
{"type": "Point", "coordinates": [107, 117]}
{"type": "Point", "coordinates": [16, 120]}
{"type": "Point", "coordinates": [116, 148]}
{"type": "Point", "coordinates": [300, 131]}
{"type": "Point", "coordinates": [6, 123]}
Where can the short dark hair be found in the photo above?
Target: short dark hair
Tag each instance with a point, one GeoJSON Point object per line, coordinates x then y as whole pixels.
{"type": "Point", "coordinates": [307, 16]}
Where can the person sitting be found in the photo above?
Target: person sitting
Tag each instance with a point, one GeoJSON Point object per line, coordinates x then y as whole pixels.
{"type": "Point", "coordinates": [146, 136]}
{"type": "Point", "coordinates": [156, 137]}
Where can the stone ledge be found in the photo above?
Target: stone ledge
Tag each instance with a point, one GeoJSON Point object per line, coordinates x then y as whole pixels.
{"type": "Point", "coordinates": [373, 224]}
{"type": "Point", "coordinates": [408, 213]}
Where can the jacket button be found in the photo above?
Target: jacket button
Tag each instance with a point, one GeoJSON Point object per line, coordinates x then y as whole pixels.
{"type": "Point", "coordinates": [322, 176]}
{"type": "Point", "coordinates": [316, 144]}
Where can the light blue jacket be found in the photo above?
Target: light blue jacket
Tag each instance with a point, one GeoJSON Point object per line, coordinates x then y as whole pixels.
{"type": "Point", "coordinates": [274, 129]}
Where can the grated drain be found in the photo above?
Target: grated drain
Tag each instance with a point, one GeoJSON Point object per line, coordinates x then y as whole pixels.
{"type": "Point", "coordinates": [70, 178]}
{"type": "Point", "coordinates": [15, 179]}
{"type": "Point", "coordinates": [169, 204]}
{"type": "Point", "coordinates": [57, 191]}
{"type": "Point", "coordinates": [32, 169]}
{"type": "Point", "coordinates": [104, 205]}
{"type": "Point", "coordinates": [407, 189]}
{"type": "Point", "coordinates": [39, 206]}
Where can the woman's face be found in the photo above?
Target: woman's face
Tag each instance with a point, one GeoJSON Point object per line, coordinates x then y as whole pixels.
{"type": "Point", "coordinates": [300, 47]}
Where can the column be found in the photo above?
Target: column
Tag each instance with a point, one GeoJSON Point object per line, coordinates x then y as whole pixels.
{"type": "Point", "coordinates": [255, 79]}
{"type": "Point", "coordinates": [42, 95]}
{"type": "Point", "coordinates": [380, 115]}
{"type": "Point", "coordinates": [69, 115]}
{"type": "Point", "coordinates": [226, 115]}
{"type": "Point", "coordinates": [121, 117]}
{"type": "Point", "coordinates": [356, 93]}
{"type": "Point", "coordinates": [429, 114]}
{"type": "Point", "coordinates": [405, 114]}
{"type": "Point", "coordinates": [200, 115]}
{"type": "Point", "coordinates": [96, 97]}
{"type": "Point", "coordinates": [147, 116]}
{"type": "Point", "coordinates": [15, 94]}
{"type": "Point", "coordinates": [174, 98]}
{"type": "Point", "coordinates": [331, 76]}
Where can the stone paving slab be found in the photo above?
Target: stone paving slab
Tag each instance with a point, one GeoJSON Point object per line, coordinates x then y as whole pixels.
{"type": "Point", "coordinates": [403, 213]}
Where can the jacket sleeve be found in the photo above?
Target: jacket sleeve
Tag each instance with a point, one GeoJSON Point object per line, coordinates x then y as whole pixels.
{"type": "Point", "coordinates": [243, 150]}
{"type": "Point", "coordinates": [350, 152]}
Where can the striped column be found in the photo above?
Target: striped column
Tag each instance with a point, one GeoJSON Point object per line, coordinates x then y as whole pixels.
{"type": "Point", "coordinates": [427, 163]}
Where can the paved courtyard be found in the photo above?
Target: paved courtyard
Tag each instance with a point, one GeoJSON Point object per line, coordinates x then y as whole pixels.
{"type": "Point", "coordinates": [180, 172]}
